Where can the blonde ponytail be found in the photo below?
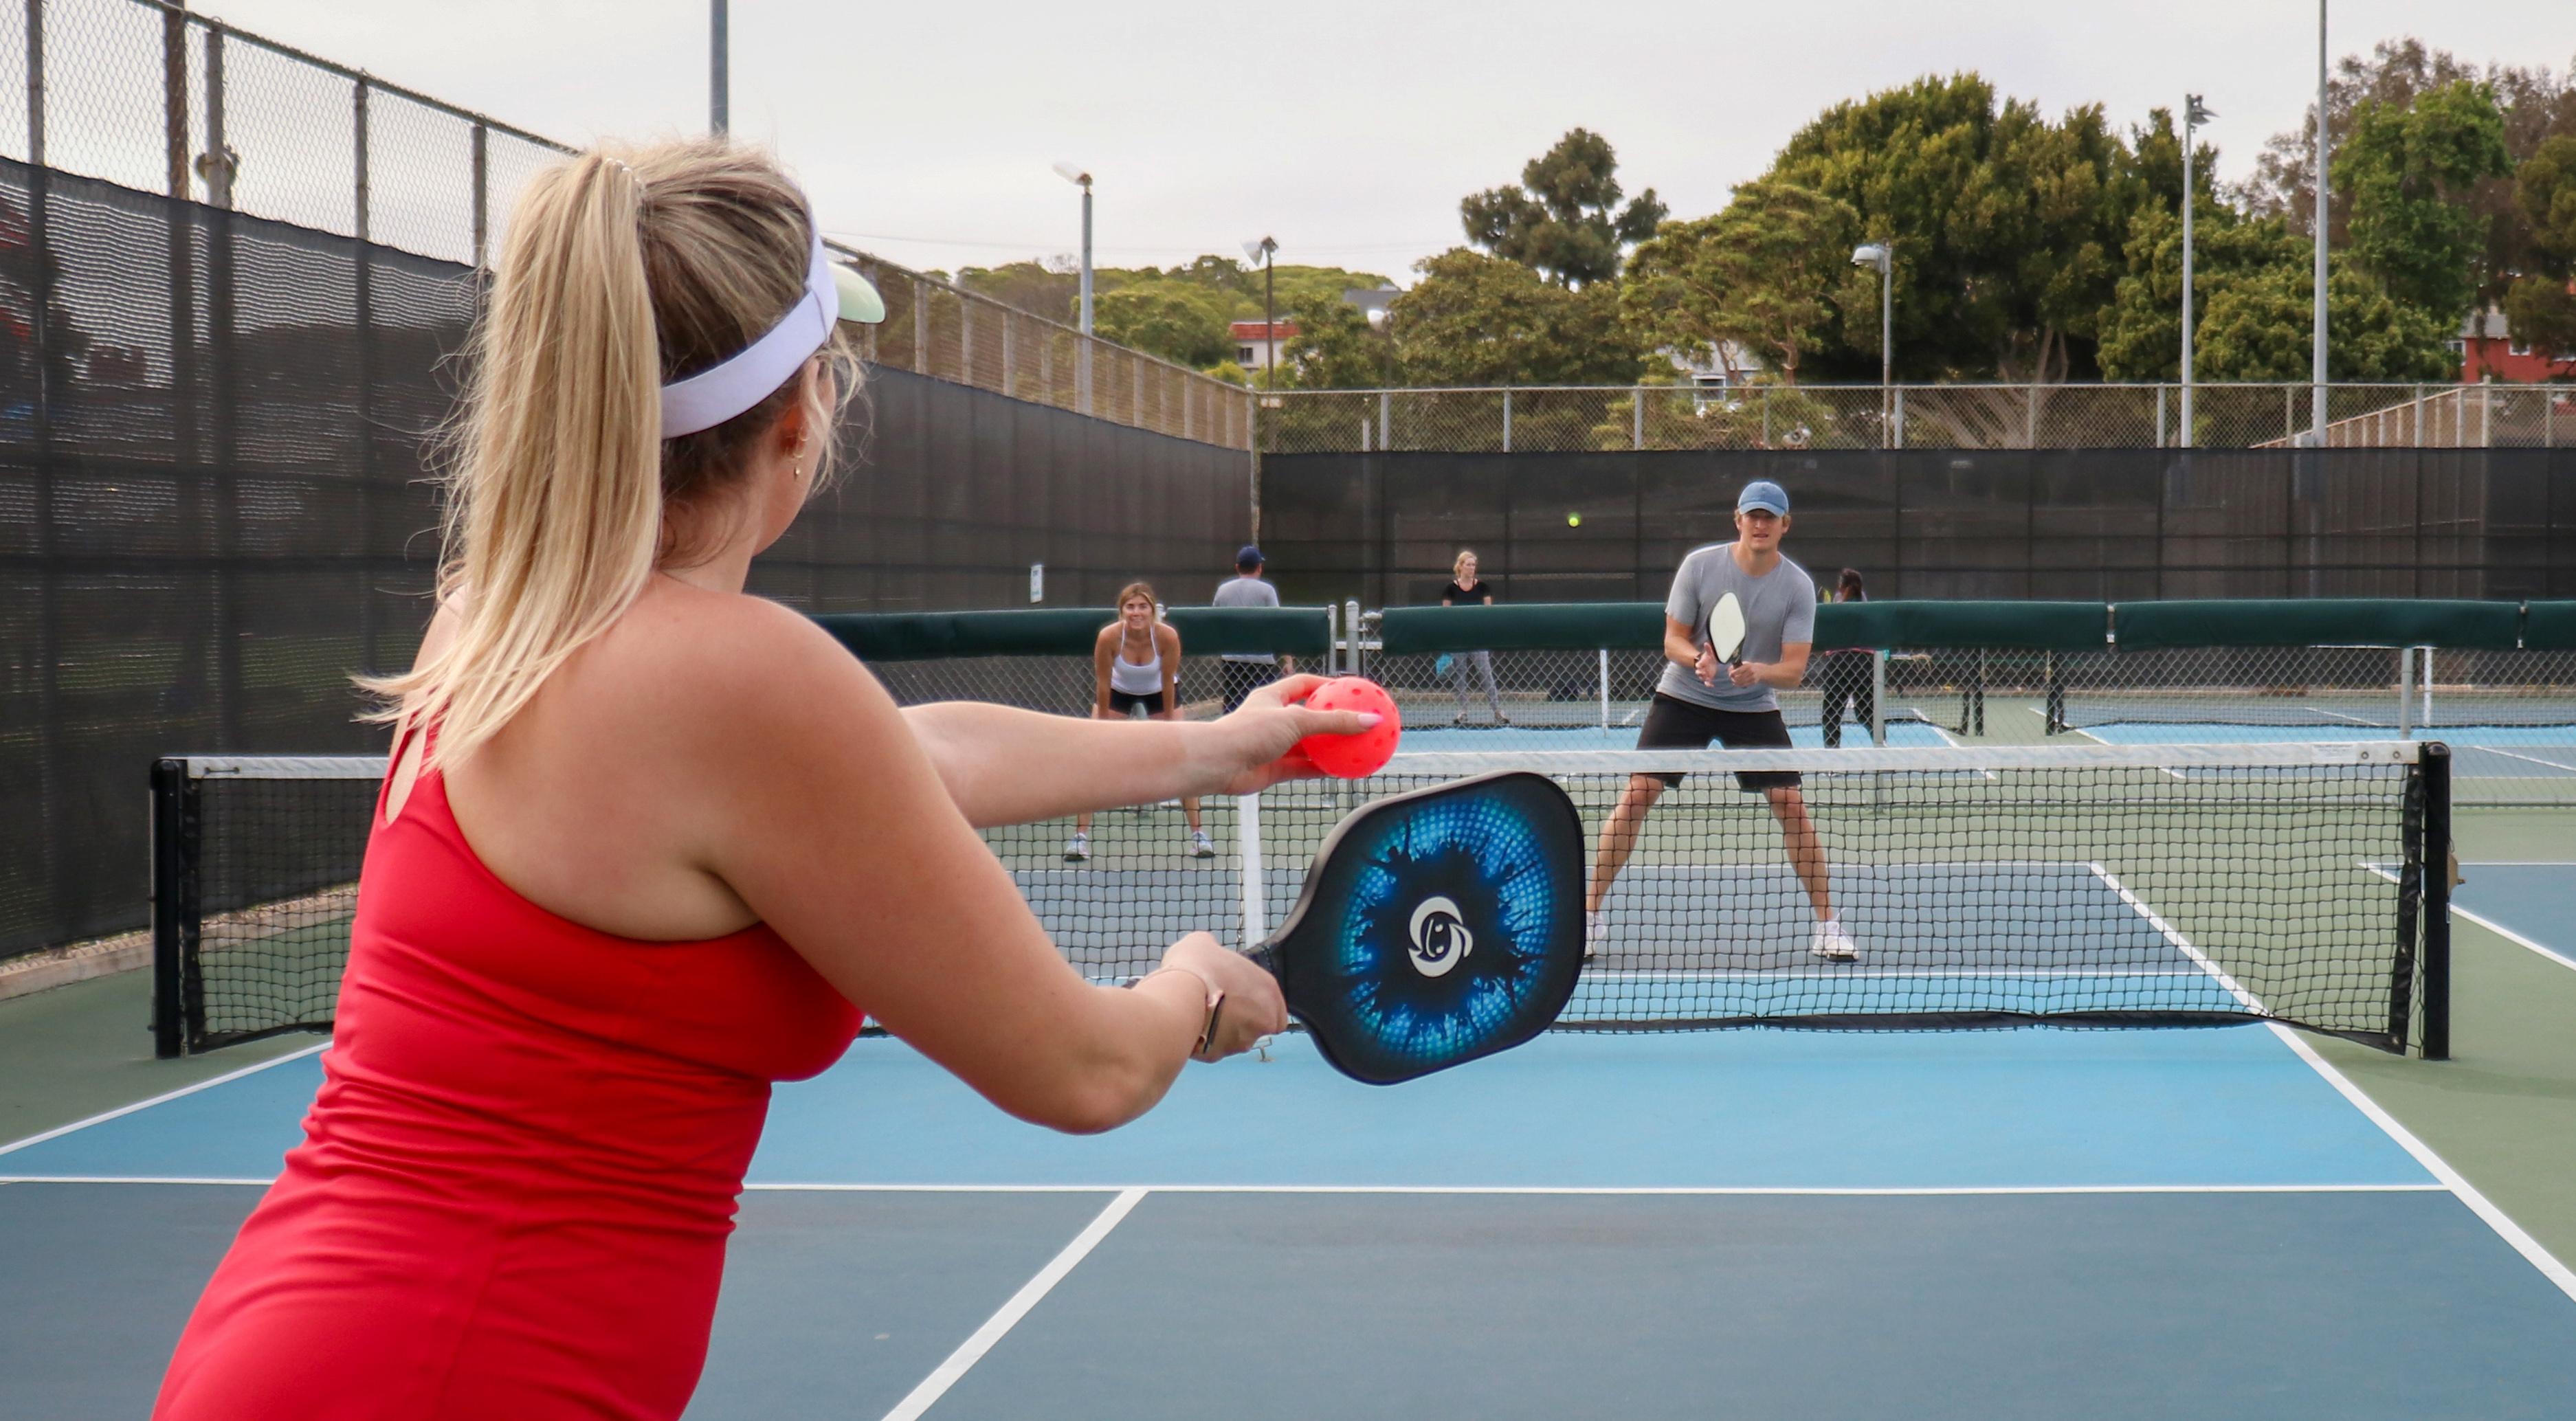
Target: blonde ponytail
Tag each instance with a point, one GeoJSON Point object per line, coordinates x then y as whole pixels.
{"type": "Point", "coordinates": [620, 273]}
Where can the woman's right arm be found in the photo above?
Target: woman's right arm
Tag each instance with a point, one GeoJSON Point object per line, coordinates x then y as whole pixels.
{"type": "Point", "coordinates": [1104, 648]}
{"type": "Point", "coordinates": [830, 823]}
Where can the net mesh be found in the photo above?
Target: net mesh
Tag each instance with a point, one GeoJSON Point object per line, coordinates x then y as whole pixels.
{"type": "Point", "coordinates": [2083, 885]}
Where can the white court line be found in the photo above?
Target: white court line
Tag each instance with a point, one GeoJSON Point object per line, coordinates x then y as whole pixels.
{"type": "Point", "coordinates": [2496, 1219]}
{"type": "Point", "coordinates": [2508, 754]}
{"type": "Point", "coordinates": [2490, 924]}
{"type": "Point", "coordinates": [2181, 944]}
{"type": "Point", "coordinates": [133, 1179]}
{"type": "Point", "coordinates": [61, 1130]}
{"type": "Point", "coordinates": [1650, 1191]}
{"type": "Point", "coordinates": [2168, 771]}
{"type": "Point", "coordinates": [972, 1350]}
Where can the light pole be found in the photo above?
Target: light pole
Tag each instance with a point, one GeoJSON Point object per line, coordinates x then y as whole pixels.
{"type": "Point", "coordinates": [1081, 178]}
{"type": "Point", "coordinates": [1263, 251]}
{"type": "Point", "coordinates": [719, 84]}
{"type": "Point", "coordinates": [1882, 255]}
{"type": "Point", "coordinates": [2193, 116]}
{"type": "Point", "coordinates": [2317, 341]}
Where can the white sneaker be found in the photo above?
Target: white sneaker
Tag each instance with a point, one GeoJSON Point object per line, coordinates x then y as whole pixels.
{"type": "Point", "coordinates": [1833, 943]}
{"type": "Point", "coordinates": [1200, 848]}
{"type": "Point", "coordinates": [1592, 935]}
{"type": "Point", "coordinates": [1078, 849]}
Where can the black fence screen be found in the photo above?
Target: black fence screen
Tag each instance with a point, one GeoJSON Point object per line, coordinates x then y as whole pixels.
{"type": "Point", "coordinates": [214, 507]}
{"type": "Point", "coordinates": [2100, 525]}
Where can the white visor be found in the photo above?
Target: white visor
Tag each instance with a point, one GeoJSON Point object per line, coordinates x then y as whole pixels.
{"type": "Point", "coordinates": [726, 389]}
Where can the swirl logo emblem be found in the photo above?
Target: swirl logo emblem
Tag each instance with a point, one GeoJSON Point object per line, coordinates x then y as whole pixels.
{"type": "Point", "coordinates": [1440, 939]}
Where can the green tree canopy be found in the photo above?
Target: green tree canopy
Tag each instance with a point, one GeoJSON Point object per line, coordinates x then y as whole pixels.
{"type": "Point", "coordinates": [1761, 276]}
{"type": "Point", "coordinates": [1336, 348]}
{"type": "Point", "coordinates": [1564, 220]}
{"type": "Point", "coordinates": [1176, 320]}
{"type": "Point", "coordinates": [1475, 319]}
{"type": "Point", "coordinates": [2538, 306]}
{"type": "Point", "coordinates": [2407, 171]}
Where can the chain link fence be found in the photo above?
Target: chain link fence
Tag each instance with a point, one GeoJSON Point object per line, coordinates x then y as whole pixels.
{"type": "Point", "coordinates": [156, 98]}
{"type": "Point", "coordinates": [1582, 419]}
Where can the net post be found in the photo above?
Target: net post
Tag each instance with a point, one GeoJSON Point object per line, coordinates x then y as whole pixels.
{"type": "Point", "coordinates": [1878, 698]}
{"type": "Point", "coordinates": [2405, 693]}
{"type": "Point", "coordinates": [1247, 833]}
{"type": "Point", "coordinates": [2434, 765]}
{"type": "Point", "coordinates": [174, 905]}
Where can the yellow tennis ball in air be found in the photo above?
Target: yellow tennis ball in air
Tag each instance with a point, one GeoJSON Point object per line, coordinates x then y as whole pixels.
{"type": "Point", "coordinates": [1574, 520]}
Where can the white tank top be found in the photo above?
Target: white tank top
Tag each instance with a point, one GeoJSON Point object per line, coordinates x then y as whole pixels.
{"type": "Point", "coordinates": [1135, 678]}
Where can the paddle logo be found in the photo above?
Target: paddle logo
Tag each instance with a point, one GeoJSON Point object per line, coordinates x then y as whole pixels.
{"type": "Point", "coordinates": [1439, 937]}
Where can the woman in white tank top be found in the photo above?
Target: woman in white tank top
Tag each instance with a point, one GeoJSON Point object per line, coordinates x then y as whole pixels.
{"type": "Point", "coordinates": [1136, 665]}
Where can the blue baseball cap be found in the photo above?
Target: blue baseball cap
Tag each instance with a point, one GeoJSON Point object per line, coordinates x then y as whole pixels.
{"type": "Point", "coordinates": [1764, 496]}
{"type": "Point", "coordinates": [1248, 555]}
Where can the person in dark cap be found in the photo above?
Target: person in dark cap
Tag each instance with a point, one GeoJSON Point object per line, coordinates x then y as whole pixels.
{"type": "Point", "coordinates": [1703, 698]}
{"type": "Point", "coordinates": [1248, 671]}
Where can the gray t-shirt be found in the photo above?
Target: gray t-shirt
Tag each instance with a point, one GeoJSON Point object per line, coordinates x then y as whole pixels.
{"type": "Point", "coordinates": [1779, 607]}
{"type": "Point", "coordinates": [1247, 592]}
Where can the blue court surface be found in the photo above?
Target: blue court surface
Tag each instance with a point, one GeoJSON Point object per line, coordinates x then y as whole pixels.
{"type": "Point", "coordinates": [1753, 1223]}
{"type": "Point", "coordinates": [2532, 903]}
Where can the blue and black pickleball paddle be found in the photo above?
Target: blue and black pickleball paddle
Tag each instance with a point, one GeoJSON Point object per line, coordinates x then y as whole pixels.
{"type": "Point", "coordinates": [1436, 927]}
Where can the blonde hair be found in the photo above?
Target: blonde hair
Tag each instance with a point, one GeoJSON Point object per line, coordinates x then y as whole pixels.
{"type": "Point", "coordinates": [1459, 563]}
{"type": "Point", "coordinates": [623, 271]}
{"type": "Point", "coordinates": [1134, 590]}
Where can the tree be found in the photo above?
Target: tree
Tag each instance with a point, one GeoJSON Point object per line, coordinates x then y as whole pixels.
{"type": "Point", "coordinates": [1335, 348]}
{"type": "Point", "coordinates": [2254, 282]}
{"type": "Point", "coordinates": [1762, 276]}
{"type": "Point", "coordinates": [2006, 227]}
{"type": "Point", "coordinates": [1480, 320]}
{"type": "Point", "coordinates": [1175, 320]}
{"type": "Point", "coordinates": [1568, 223]}
{"type": "Point", "coordinates": [2406, 174]}
{"type": "Point", "coordinates": [2538, 307]}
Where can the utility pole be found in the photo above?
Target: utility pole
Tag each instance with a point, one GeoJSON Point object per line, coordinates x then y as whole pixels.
{"type": "Point", "coordinates": [2193, 116]}
{"type": "Point", "coordinates": [2317, 342]}
{"type": "Point", "coordinates": [719, 63]}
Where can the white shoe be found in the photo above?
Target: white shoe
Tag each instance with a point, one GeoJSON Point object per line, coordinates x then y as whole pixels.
{"type": "Point", "coordinates": [1078, 849]}
{"type": "Point", "coordinates": [1592, 935]}
{"type": "Point", "coordinates": [1833, 943]}
{"type": "Point", "coordinates": [1200, 848]}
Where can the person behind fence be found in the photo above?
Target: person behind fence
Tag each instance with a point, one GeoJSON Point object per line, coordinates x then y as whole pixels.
{"type": "Point", "coordinates": [1848, 671]}
{"type": "Point", "coordinates": [1244, 671]}
{"type": "Point", "coordinates": [1465, 589]}
{"type": "Point", "coordinates": [1702, 698]}
{"type": "Point", "coordinates": [1136, 666]}
{"type": "Point", "coordinates": [648, 844]}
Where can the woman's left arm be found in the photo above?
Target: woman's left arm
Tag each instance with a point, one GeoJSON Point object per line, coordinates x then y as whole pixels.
{"type": "Point", "coordinates": [1167, 647]}
{"type": "Point", "coordinates": [1003, 765]}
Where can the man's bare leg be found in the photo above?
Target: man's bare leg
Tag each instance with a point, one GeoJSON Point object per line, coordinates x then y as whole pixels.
{"type": "Point", "coordinates": [1807, 860]}
{"type": "Point", "coordinates": [1618, 841]}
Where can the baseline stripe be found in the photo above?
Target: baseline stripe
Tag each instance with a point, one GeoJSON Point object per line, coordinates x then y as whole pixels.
{"type": "Point", "coordinates": [972, 1350]}
{"type": "Point", "coordinates": [1649, 1191]}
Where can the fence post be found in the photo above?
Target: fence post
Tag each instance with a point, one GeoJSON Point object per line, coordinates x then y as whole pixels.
{"type": "Point", "coordinates": [482, 197]}
{"type": "Point", "coordinates": [36, 83]}
{"type": "Point", "coordinates": [1385, 421]}
{"type": "Point", "coordinates": [1878, 698]}
{"type": "Point", "coordinates": [2160, 416]}
{"type": "Point", "coordinates": [2486, 413]}
{"type": "Point", "coordinates": [920, 326]}
{"type": "Point", "coordinates": [1247, 832]}
{"type": "Point", "coordinates": [1604, 683]}
{"type": "Point", "coordinates": [2289, 412]}
{"type": "Point", "coordinates": [358, 129]}
{"type": "Point", "coordinates": [1507, 419]}
{"type": "Point", "coordinates": [1009, 322]}
{"type": "Point", "coordinates": [965, 341]}
{"type": "Point", "coordinates": [1898, 394]}
{"type": "Point", "coordinates": [2030, 416]}
{"type": "Point", "coordinates": [1637, 417]}
{"type": "Point", "coordinates": [174, 99]}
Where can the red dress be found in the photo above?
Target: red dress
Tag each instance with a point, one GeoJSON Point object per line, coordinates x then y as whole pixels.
{"type": "Point", "coordinates": [517, 1180]}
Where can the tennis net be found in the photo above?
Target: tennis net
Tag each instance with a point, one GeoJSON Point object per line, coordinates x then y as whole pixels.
{"type": "Point", "coordinates": [2070, 884]}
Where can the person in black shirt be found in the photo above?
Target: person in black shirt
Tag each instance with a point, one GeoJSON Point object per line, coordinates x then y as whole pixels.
{"type": "Point", "coordinates": [1846, 679]}
{"type": "Point", "coordinates": [1465, 589]}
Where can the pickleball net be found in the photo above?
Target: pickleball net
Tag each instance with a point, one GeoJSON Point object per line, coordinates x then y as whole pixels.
{"type": "Point", "coordinates": [2079, 885]}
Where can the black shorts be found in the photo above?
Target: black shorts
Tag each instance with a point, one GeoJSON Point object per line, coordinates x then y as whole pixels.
{"type": "Point", "coordinates": [1674, 724]}
{"type": "Point", "coordinates": [1242, 678]}
{"type": "Point", "coordinates": [1124, 703]}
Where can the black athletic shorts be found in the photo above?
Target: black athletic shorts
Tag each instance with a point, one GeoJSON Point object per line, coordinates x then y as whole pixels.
{"type": "Point", "coordinates": [1674, 724]}
{"type": "Point", "coordinates": [1124, 703]}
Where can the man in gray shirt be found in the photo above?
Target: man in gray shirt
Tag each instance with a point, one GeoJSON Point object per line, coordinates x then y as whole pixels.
{"type": "Point", "coordinates": [1247, 671]}
{"type": "Point", "coordinates": [1702, 698]}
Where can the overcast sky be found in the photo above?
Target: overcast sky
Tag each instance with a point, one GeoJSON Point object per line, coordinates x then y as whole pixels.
{"type": "Point", "coordinates": [1349, 130]}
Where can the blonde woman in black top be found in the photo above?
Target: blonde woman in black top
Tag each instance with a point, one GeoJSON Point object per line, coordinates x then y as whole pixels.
{"type": "Point", "coordinates": [1465, 589]}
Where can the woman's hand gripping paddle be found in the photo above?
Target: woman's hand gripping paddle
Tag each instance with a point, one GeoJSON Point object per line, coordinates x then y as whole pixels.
{"type": "Point", "coordinates": [1436, 927]}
